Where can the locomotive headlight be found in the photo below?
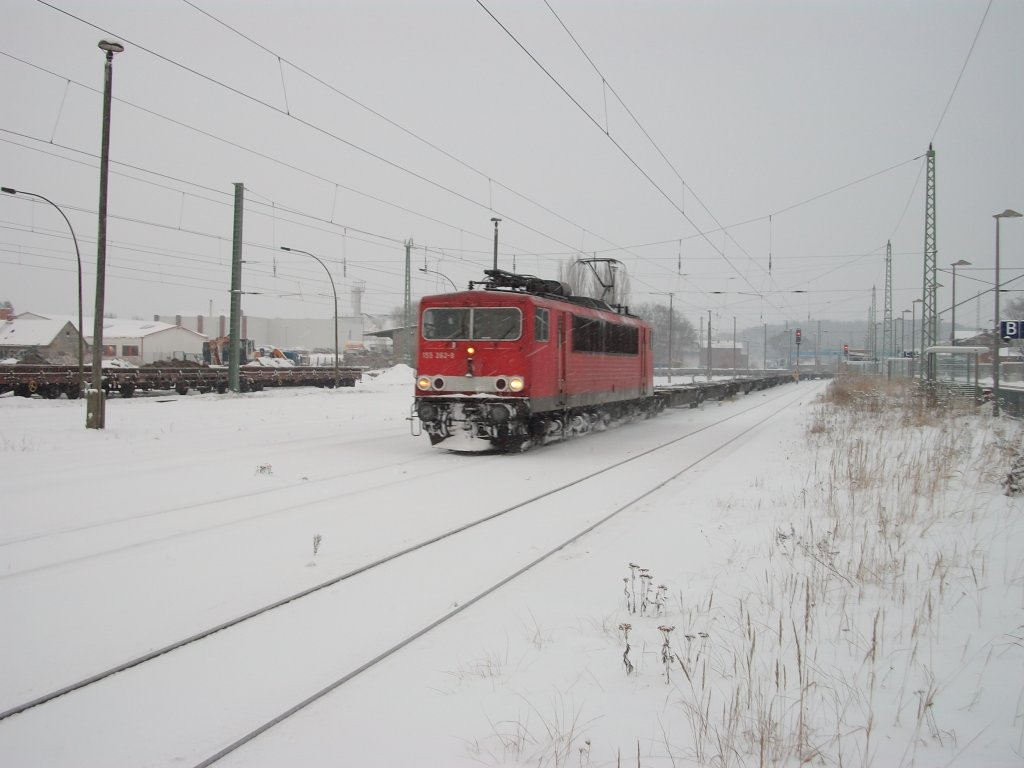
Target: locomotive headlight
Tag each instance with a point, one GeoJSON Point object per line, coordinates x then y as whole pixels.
{"type": "Point", "coordinates": [470, 351]}
{"type": "Point", "coordinates": [423, 383]}
{"type": "Point", "coordinates": [516, 383]}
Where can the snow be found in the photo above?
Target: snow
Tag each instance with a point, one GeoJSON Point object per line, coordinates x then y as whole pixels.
{"type": "Point", "coordinates": [832, 597]}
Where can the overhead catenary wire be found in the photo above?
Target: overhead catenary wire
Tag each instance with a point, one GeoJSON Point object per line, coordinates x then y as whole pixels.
{"type": "Point", "coordinates": [618, 248]}
{"type": "Point", "coordinates": [307, 123]}
{"type": "Point", "coordinates": [654, 261]}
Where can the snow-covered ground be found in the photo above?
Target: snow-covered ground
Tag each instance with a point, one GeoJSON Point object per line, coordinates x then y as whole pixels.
{"type": "Point", "coordinates": [801, 582]}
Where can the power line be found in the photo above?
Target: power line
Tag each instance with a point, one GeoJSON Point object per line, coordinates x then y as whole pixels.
{"type": "Point", "coordinates": [334, 89]}
{"type": "Point", "coordinates": [962, 70]}
{"type": "Point", "coordinates": [308, 124]}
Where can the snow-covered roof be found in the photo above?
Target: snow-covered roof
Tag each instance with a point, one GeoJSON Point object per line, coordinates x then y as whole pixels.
{"type": "Point", "coordinates": [30, 332]}
{"type": "Point", "coordinates": [113, 327]}
{"type": "Point", "coordinates": [116, 328]}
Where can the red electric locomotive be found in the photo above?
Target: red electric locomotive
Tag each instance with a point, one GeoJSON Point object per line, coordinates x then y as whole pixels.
{"type": "Point", "coordinates": [523, 362]}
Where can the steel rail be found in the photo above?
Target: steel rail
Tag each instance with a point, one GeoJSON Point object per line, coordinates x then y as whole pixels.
{"type": "Point", "coordinates": [498, 585]}
{"type": "Point", "coordinates": [99, 676]}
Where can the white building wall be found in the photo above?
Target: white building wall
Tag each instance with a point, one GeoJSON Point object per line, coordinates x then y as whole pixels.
{"type": "Point", "coordinates": [168, 344]}
{"type": "Point", "coordinates": [309, 333]}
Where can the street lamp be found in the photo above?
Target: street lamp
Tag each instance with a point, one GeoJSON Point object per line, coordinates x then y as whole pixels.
{"type": "Point", "coordinates": [96, 407]}
{"type": "Point", "coordinates": [952, 318]}
{"type": "Point", "coordinates": [903, 332]}
{"type": "Point", "coordinates": [442, 274]}
{"type": "Point", "coordinates": [1007, 214]}
{"type": "Point", "coordinates": [496, 220]}
{"type": "Point", "coordinates": [913, 334]}
{"type": "Point", "coordinates": [671, 312]}
{"type": "Point", "coordinates": [331, 278]}
{"type": "Point", "coordinates": [78, 256]}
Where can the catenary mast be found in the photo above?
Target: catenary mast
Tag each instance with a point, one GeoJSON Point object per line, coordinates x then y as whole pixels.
{"type": "Point", "coordinates": [929, 314]}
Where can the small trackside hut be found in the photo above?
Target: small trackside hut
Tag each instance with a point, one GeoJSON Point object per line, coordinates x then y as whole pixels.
{"type": "Point", "coordinates": [523, 362]}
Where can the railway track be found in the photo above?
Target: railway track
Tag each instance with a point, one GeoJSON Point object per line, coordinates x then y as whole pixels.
{"type": "Point", "coordinates": [415, 574]}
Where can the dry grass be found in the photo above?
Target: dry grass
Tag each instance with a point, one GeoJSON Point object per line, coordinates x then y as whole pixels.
{"type": "Point", "coordinates": [869, 630]}
{"type": "Point", "coordinates": [837, 649]}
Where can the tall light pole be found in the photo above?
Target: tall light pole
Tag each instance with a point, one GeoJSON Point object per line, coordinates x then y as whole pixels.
{"type": "Point", "coordinates": [1007, 214]}
{"type": "Point", "coordinates": [335, 292]}
{"type": "Point", "coordinates": [441, 274]}
{"type": "Point", "coordinates": [496, 220]}
{"type": "Point", "coordinates": [78, 256]}
{"type": "Point", "coordinates": [903, 332]}
{"type": "Point", "coordinates": [671, 317]}
{"type": "Point", "coordinates": [709, 345]}
{"type": "Point", "coordinates": [734, 346]}
{"type": "Point", "coordinates": [96, 407]}
{"type": "Point", "coordinates": [952, 317]}
{"type": "Point", "coordinates": [913, 330]}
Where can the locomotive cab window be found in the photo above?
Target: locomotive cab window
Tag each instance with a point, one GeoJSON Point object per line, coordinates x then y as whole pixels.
{"type": "Point", "coordinates": [497, 323]}
{"type": "Point", "coordinates": [479, 323]}
{"type": "Point", "coordinates": [444, 324]}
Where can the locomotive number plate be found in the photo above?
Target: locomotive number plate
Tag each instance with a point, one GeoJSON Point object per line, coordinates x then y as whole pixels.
{"type": "Point", "coordinates": [438, 355]}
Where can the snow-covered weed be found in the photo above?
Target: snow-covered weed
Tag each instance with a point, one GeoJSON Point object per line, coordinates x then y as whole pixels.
{"type": "Point", "coordinates": [22, 446]}
{"type": "Point", "coordinates": [874, 598]}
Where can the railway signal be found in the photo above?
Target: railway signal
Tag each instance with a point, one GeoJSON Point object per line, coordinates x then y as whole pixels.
{"type": "Point", "coordinates": [799, 336]}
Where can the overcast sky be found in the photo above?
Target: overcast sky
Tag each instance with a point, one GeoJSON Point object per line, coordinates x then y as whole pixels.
{"type": "Point", "coordinates": [755, 149]}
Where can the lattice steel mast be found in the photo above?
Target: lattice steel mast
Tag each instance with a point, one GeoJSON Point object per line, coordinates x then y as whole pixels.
{"type": "Point", "coordinates": [929, 313]}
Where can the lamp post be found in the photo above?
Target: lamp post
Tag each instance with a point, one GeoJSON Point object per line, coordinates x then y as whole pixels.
{"type": "Point", "coordinates": [96, 407]}
{"type": "Point", "coordinates": [709, 345]}
{"type": "Point", "coordinates": [442, 274]}
{"type": "Point", "coordinates": [734, 346]}
{"type": "Point", "coordinates": [913, 335]}
{"type": "Point", "coordinates": [78, 256]}
{"type": "Point", "coordinates": [335, 292]}
{"type": "Point", "coordinates": [496, 220]}
{"type": "Point", "coordinates": [903, 332]}
{"type": "Point", "coordinates": [952, 317]}
{"type": "Point", "coordinates": [671, 313]}
{"type": "Point", "coordinates": [1007, 214]}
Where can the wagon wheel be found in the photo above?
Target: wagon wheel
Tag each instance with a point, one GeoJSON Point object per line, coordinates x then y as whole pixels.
{"type": "Point", "coordinates": [128, 389]}
{"type": "Point", "coordinates": [181, 387]}
{"type": "Point", "coordinates": [32, 386]}
{"type": "Point", "coordinates": [74, 391]}
{"type": "Point", "coordinates": [51, 391]}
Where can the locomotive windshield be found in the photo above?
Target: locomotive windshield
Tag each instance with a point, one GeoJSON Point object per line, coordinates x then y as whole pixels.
{"type": "Point", "coordinates": [472, 323]}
